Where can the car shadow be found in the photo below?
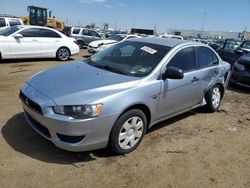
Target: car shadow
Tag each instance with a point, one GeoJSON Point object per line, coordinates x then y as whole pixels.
{"type": "Point", "coordinates": [22, 138]}
{"type": "Point", "coordinates": [238, 89]}
{"type": "Point", "coordinates": [7, 61]}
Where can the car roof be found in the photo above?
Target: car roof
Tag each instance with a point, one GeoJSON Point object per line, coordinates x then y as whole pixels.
{"type": "Point", "coordinates": [163, 41]}
{"type": "Point", "coordinates": [32, 26]}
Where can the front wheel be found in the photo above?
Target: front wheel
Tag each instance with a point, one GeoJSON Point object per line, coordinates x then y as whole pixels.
{"type": "Point", "coordinates": [127, 132]}
{"type": "Point", "coordinates": [63, 54]}
{"type": "Point", "coordinates": [213, 98]}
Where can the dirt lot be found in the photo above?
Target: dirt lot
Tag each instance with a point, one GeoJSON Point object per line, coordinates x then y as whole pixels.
{"type": "Point", "coordinates": [192, 150]}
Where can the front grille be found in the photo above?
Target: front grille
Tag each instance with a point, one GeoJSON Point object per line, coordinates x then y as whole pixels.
{"type": "Point", "coordinates": [43, 130]}
{"type": "Point", "coordinates": [70, 139]}
{"type": "Point", "coordinates": [33, 105]}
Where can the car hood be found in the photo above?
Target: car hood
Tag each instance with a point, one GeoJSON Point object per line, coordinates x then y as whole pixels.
{"type": "Point", "coordinates": [244, 59]}
{"type": "Point", "coordinates": [80, 83]}
{"type": "Point", "coordinates": [98, 43]}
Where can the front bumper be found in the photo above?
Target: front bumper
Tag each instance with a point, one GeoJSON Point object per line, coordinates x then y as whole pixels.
{"type": "Point", "coordinates": [65, 132]}
{"type": "Point", "coordinates": [91, 50]}
{"type": "Point", "coordinates": [240, 77]}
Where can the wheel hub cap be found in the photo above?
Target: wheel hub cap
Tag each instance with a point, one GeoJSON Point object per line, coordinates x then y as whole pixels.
{"type": "Point", "coordinates": [130, 133]}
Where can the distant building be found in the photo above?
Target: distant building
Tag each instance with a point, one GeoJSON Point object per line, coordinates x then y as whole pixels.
{"type": "Point", "coordinates": [206, 34]}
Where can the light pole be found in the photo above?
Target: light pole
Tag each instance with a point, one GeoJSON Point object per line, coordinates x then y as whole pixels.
{"type": "Point", "coordinates": [203, 22]}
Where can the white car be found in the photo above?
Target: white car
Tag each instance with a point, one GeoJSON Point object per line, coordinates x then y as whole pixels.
{"type": "Point", "coordinates": [8, 21]}
{"type": "Point", "coordinates": [19, 42]}
{"type": "Point", "coordinates": [99, 45]}
{"type": "Point", "coordinates": [171, 36]}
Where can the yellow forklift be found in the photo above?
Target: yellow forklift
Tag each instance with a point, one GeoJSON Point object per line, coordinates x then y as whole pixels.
{"type": "Point", "coordinates": [38, 16]}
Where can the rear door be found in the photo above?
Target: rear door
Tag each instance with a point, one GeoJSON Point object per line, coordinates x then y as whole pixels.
{"type": "Point", "coordinates": [50, 42]}
{"type": "Point", "coordinates": [26, 47]}
{"type": "Point", "coordinates": [208, 71]}
{"type": "Point", "coordinates": [177, 95]}
{"type": "Point", "coordinates": [86, 36]}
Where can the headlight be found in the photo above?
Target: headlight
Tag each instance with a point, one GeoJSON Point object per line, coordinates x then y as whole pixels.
{"type": "Point", "coordinates": [102, 47]}
{"type": "Point", "coordinates": [79, 111]}
{"type": "Point", "coordinates": [239, 66]}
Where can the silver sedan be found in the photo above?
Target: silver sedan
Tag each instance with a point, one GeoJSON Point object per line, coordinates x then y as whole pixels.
{"type": "Point", "coordinates": [113, 97]}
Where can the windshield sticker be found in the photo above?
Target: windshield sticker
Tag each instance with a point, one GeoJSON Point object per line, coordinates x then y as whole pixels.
{"type": "Point", "coordinates": [149, 50]}
{"type": "Point", "coordinates": [143, 70]}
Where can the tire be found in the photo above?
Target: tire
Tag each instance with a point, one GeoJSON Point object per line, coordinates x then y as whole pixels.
{"type": "Point", "coordinates": [127, 132]}
{"type": "Point", "coordinates": [80, 43]}
{"type": "Point", "coordinates": [63, 54]}
{"type": "Point", "coordinates": [213, 98]}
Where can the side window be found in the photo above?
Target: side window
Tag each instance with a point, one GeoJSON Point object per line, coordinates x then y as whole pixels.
{"type": "Point", "coordinates": [76, 31]}
{"type": "Point", "coordinates": [206, 57]}
{"type": "Point", "coordinates": [2, 22]}
{"type": "Point", "coordinates": [92, 33]}
{"type": "Point", "coordinates": [127, 50]}
{"type": "Point", "coordinates": [14, 22]}
{"type": "Point", "coordinates": [184, 59]}
{"type": "Point", "coordinates": [31, 32]}
{"type": "Point", "coordinates": [85, 32]}
{"type": "Point", "coordinates": [48, 33]}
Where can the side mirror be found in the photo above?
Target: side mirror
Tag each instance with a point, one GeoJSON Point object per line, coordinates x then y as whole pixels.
{"type": "Point", "coordinates": [239, 50]}
{"type": "Point", "coordinates": [172, 73]}
{"type": "Point", "coordinates": [18, 36]}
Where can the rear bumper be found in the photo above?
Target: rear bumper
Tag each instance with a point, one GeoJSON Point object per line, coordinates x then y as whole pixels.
{"type": "Point", "coordinates": [75, 50]}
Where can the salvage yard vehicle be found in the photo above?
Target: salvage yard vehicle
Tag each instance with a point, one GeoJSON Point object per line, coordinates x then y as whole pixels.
{"type": "Point", "coordinates": [99, 45]}
{"type": "Point", "coordinates": [113, 97]}
{"type": "Point", "coordinates": [241, 71]}
{"type": "Point", "coordinates": [233, 49]}
{"type": "Point", "coordinates": [171, 36]}
{"type": "Point", "coordinates": [19, 42]}
{"type": "Point", "coordinates": [8, 21]}
{"type": "Point", "coordinates": [84, 36]}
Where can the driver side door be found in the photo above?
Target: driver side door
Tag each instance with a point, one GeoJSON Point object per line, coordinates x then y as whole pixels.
{"type": "Point", "coordinates": [26, 47]}
{"type": "Point", "coordinates": [177, 96]}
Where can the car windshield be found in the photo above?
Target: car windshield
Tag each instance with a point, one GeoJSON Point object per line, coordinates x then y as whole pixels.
{"type": "Point", "coordinates": [10, 30]}
{"type": "Point", "coordinates": [116, 37]}
{"type": "Point", "coordinates": [130, 58]}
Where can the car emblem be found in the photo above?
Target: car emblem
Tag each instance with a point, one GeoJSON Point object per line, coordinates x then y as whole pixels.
{"type": "Point", "coordinates": [27, 101]}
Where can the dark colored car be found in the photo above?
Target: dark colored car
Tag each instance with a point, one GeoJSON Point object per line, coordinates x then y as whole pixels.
{"type": "Point", "coordinates": [233, 49]}
{"type": "Point", "coordinates": [241, 71]}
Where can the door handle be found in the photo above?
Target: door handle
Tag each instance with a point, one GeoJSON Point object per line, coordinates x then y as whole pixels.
{"type": "Point", "coordinates": [35, 40]}
{"type": "Point", "coordinates": [57, 40]}
{"type": "Point", "coordinates": [195, 79]}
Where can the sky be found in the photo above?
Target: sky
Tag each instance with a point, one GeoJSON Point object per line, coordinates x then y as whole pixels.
{"type": "Point", "coordinates": [220, 15]}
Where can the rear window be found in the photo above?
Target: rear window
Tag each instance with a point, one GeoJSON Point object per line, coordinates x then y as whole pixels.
{"type": "Point", "coordinates": [76, 31]}
{"type": "Point", "coordinates": [14, 22]}
{"type": "Point", "coordinates": [2, 22]}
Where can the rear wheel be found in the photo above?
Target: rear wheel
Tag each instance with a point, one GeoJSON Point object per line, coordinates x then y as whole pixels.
{"type": "Point", "coordinates": [80, 43]}
{"type": "Point", "coordinates": [213, 98]}
{"type": "Point", "coordinates": [128, 132]}
{"type": "Point", "coordinates": [63, 54]}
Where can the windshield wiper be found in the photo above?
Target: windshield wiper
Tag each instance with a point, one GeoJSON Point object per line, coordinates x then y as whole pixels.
{"type": "Point", "coordinates": [106, 67]}
{"type": "Point", "coordinates": [112, 69]}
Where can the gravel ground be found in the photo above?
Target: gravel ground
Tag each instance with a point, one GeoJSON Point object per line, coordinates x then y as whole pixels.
{"type": "Point", "coordinates": [195, 149]}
